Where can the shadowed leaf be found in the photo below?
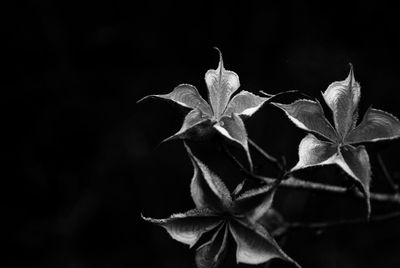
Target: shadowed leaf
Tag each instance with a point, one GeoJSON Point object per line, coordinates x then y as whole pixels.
{"type": "Point", "coordinates": [308, 115]}
{"type": "Point", "coordinates": [342, 98]}
{"type": "Point", "coordinates": [194, 126]}
{"type": "Point", "coordinates": [376, 125]}
{"type": "Point", "coordinates": [211, 254]}
{"type": "Point", "coordinates": [233, 128]}
{"type": "Point", "coordinates": [255, 245]}
{"type": "Point", "coordinates": [207, 189]}
{"type": "Point", "coordinates": [355, 162]}
{"type": "Point", "coordinates": [188, 227]}
{"type": "Point", "coordinates": [255, 203]}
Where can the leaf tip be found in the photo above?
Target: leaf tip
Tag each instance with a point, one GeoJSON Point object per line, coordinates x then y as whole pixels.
{"type": "Point", "coordinates": [144, 98]}
{"type": "Point", "coordinates": [221, 61]}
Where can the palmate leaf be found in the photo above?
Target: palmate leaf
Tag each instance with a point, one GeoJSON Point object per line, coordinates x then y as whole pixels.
{"type": "Point", "coordinates": [223, 108]}
{"type": "Point", "coordinates": [342, 98]}
{"type": "Point", "coordinates": [220, 216]}
{"type": "Point", "coordinates": [354, 161]}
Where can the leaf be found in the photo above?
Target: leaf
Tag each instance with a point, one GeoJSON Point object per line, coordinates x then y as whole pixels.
{"type": "Point", "coordinates": [376, 125]}
{"type": "Point", "coordinates": [195, 126]}
{"type": "Point", "coordinates": [212, 253]}
{"type": "Point", "coordinates": [313, 152]}
{"type": "Point", "coordinates": [233, 128]}
{"type": "Point", "coordinates": [255, 203]}
{"type": "Point", "coordinates": [188, 227]}
{"type": "Point", "coordinates": [186, 96]}
{"type": "Point", "coordinates": [309, 115]}
{"type": "Point", "coordinates": [255, 245]}
{"type": "Point", "coordinates": [221, 85]}
{"type": "Point", "coordinates": [355, 162]}
{"type": "Point", "coordinates": [207, 189]}
{"type": "Point", "coordinates": [342, 98]}
{"type": "Point", "coordinates": [244, 103]}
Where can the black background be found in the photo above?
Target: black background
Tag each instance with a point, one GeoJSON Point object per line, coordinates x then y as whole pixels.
{"type": "Point", "coordinates": [82, 158]}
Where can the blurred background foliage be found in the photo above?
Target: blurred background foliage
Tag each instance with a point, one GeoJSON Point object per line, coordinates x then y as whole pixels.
{"type": "Point", "coordinates": [82, 158]}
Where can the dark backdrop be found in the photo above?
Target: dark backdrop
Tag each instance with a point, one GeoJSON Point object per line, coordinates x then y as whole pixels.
{"type": "Point", "coordinates": [82, 158]}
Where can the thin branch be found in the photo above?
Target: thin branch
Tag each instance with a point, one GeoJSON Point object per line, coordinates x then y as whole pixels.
{"type": "Point", "coordinates": [297, 184]}
{"type": "Point", "coordinates": [344, 222]}
{"type": "Point", "coordinates": [269, 157]}
{"type": "Point", "coordinates": [387, 174]}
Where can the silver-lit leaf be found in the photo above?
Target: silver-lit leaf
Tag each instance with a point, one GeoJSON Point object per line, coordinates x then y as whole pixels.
{"type": "Point", "coordinates": [314, 152]}
{"type": "Point", "coordinates": [211, 253]}
{"type": "Point", "coordinates": [244, 103]}
{"type": "Point", "coordinates": [309, 115]}
{"type": "Point", "coordinates": [207, 189]}
{"type": "Point", "coordinates": [188, 227]}
{"type": "Point", "coordinates": [342, 98]}
{"type": "Point", "coordinates": [376, 125]}
{"type": "Point", "coordinates": [187, 96]}
{"type": "Point", "coordinates": [221, 84]}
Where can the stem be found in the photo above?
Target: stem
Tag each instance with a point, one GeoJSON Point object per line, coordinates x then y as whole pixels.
{"type": "Point", "coordinates": [387, 174]}
{"type": "Point", "coordinates": [294, 183]}
{"type": "Point", "coordinates": [344, 222]}
{"type": "Point", "coordinates": [269, 157]}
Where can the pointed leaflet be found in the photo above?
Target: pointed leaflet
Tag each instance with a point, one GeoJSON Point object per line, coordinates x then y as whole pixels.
{"type": "Point", "coordinates": [186, 96]}
{"type": "Point", "coordinates": [221, 85]}
{"type": "Point", "coordinates": [207, 189]}
{"type": "Point", "coordinates": [194, 126]}
{"type": "Point", "coordinates": [212, 253]}
{"type": "Point", "coordinates": [255, 245]}
{"type": "Point", "coordinates": [233, 128]}
{"type": "Point", "coordinates": [376, 125]}
{"type": "Point", "coordinates": [342, 98]}
{"type": "Point", "coordinates": [355, 162]}
{"type": "Point", "coordinates": [309, 115]}
{"type": "Point", "coordinates": [255, 203]}
{"type": "Point", "coordinates": [313, 152]}
{"type": "Point", "coordinates": [245, 103]}
{"type": "Point", "coordinates": [188, 227]}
